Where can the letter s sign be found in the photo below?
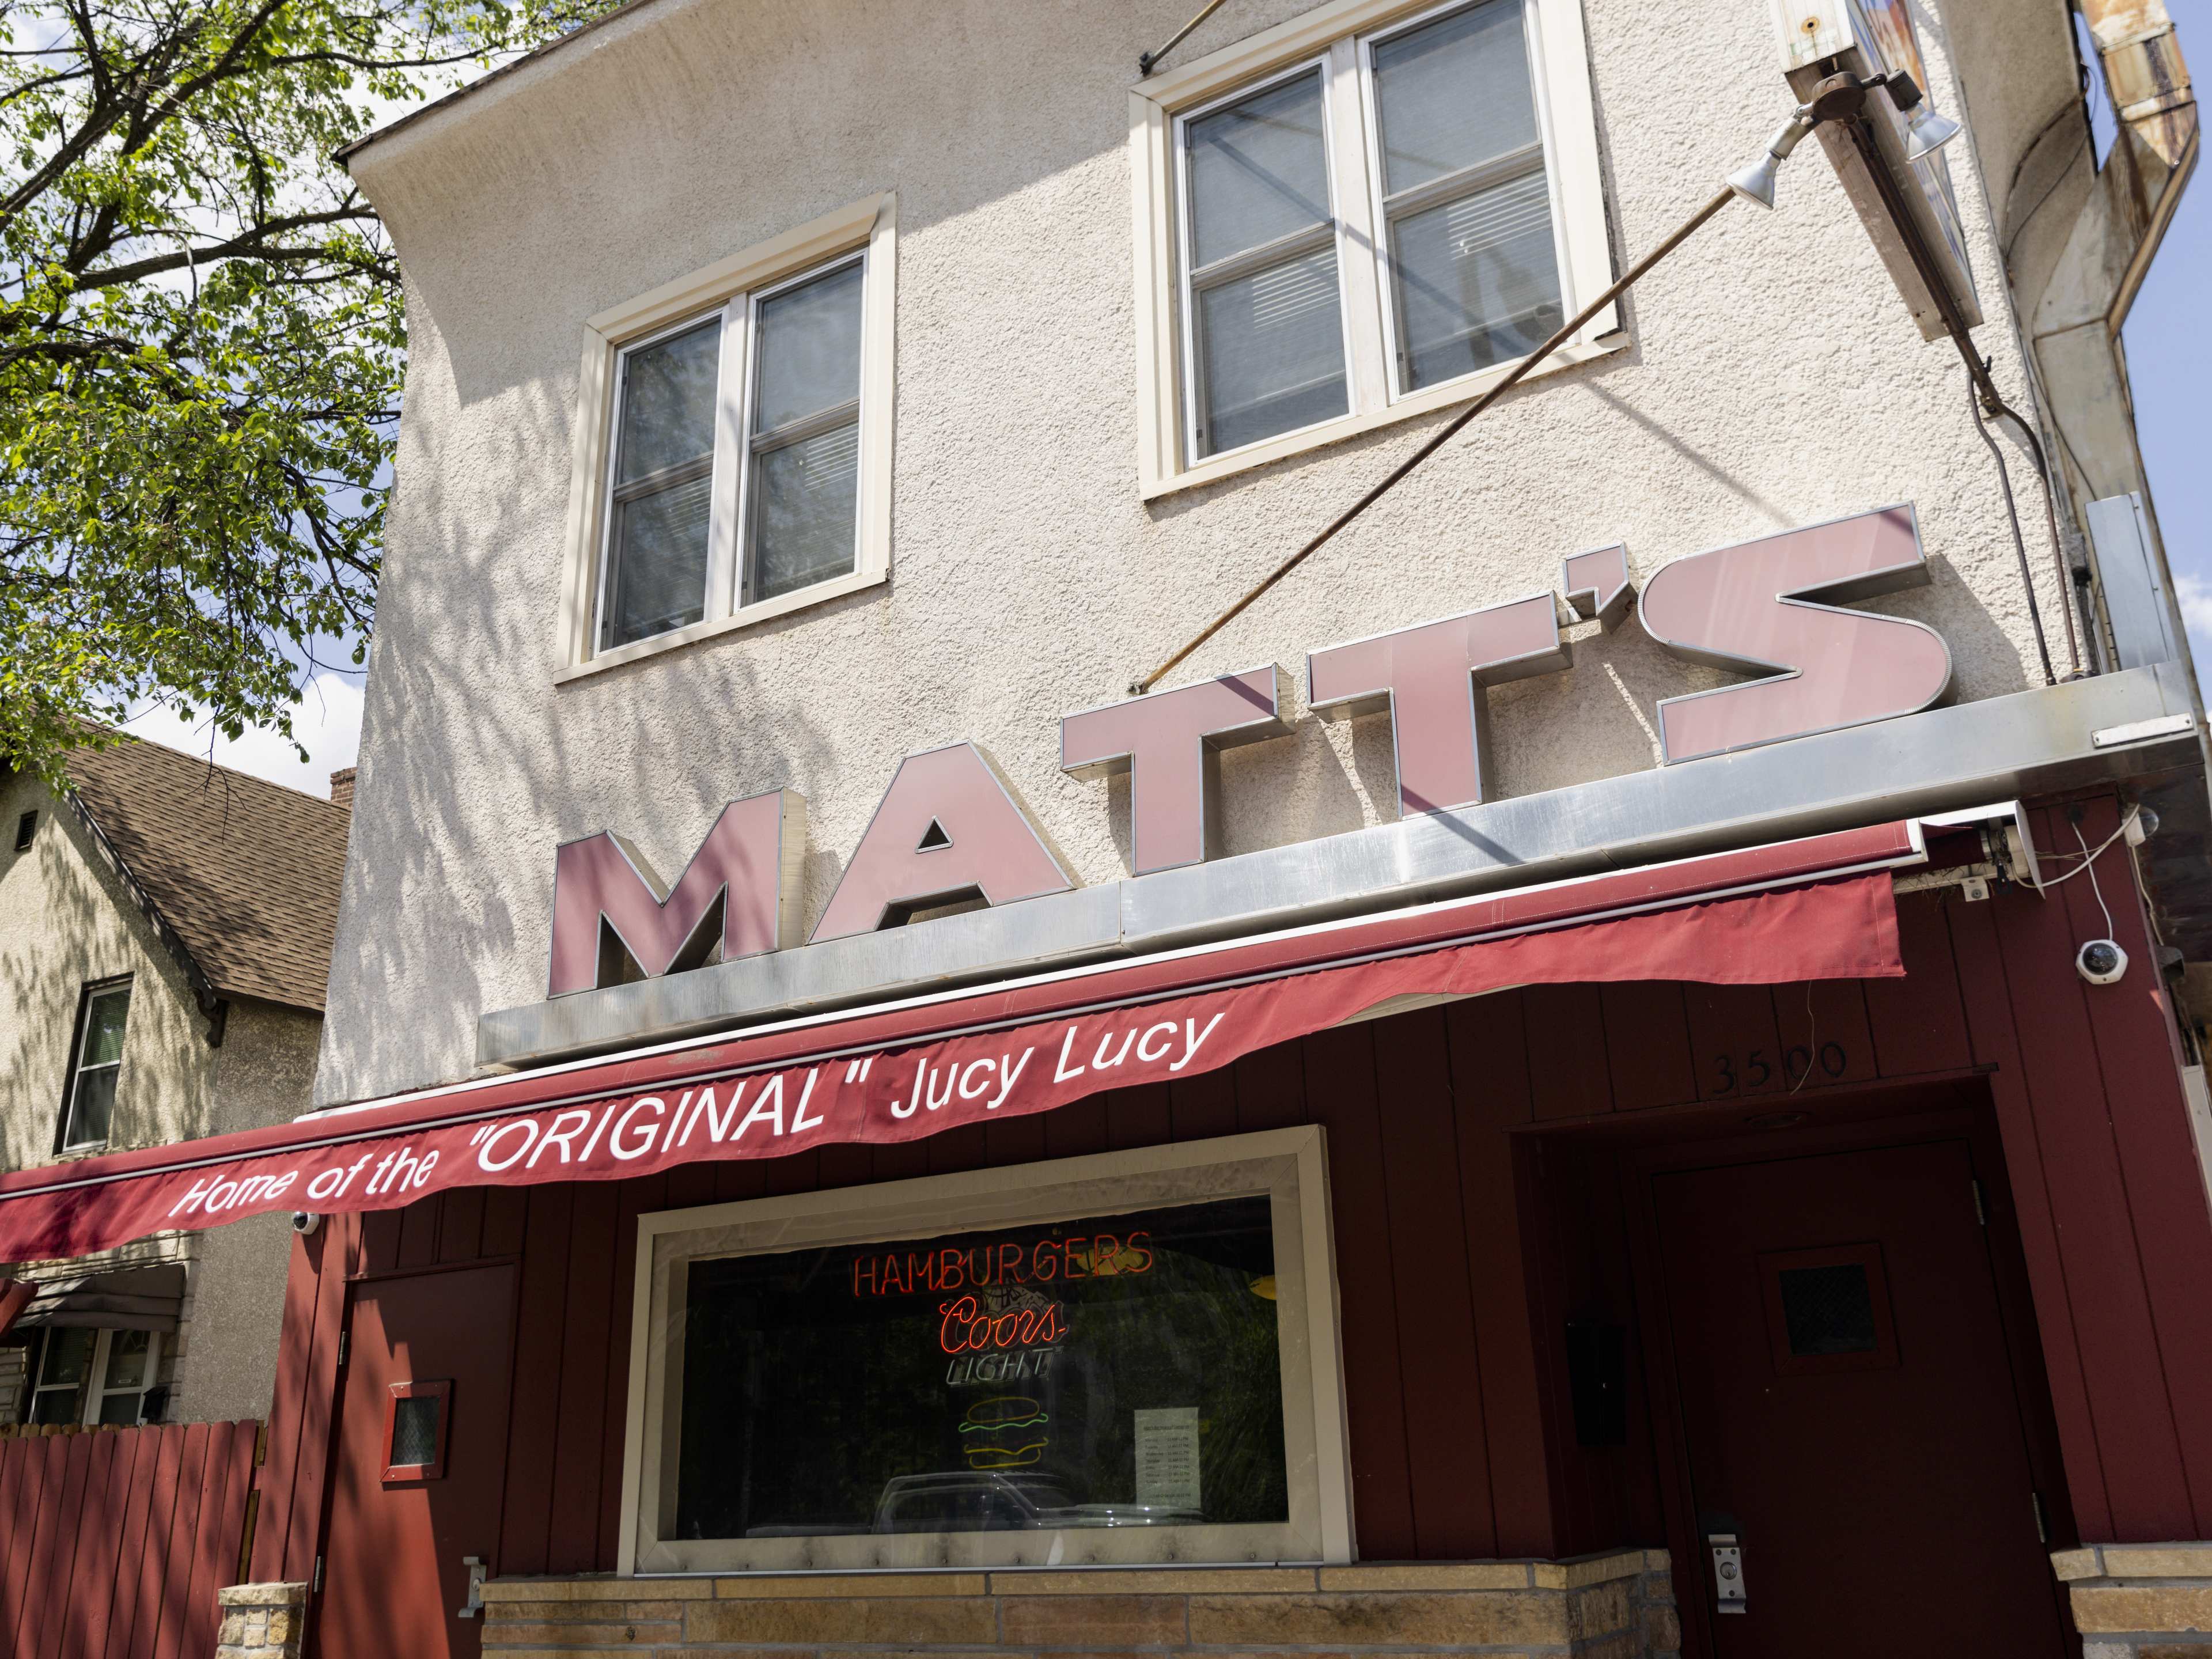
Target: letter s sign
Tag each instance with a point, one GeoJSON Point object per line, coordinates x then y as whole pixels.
{"type": "Point", "coordinates": [1749, 608]}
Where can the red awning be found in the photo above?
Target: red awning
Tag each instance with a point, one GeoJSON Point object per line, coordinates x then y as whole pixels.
{"type": "Point", "coordinates": [1812, 909]}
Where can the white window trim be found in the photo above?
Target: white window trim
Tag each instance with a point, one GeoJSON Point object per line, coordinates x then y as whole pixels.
{"type": "Point", "coordinates": [1288, 1164]}
{"type": "Point", "coordinates": [94, 1390]}
{"type": "Point", "coordinates": [869, 227]}
{"type": "Point", "coordinates": [97, 1395]}
{"type": "Point", "coordinates": [1560, 58]}
{"type": "Point", "coordinates": [87, 996]}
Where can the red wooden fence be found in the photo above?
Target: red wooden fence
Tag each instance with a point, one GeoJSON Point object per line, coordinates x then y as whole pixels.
{"type": "Point", "coordinates": [113, 1541]}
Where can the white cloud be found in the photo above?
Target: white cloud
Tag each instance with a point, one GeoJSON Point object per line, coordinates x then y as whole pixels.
{"type": "Point", "coordinates": [328, 723]}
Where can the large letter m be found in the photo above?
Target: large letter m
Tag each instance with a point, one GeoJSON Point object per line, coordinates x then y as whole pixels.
{"type": "Point", "coordinates": [743, 873]}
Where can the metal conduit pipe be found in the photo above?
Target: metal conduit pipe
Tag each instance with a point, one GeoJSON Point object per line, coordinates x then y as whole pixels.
{"type": "Point", "coordinates": [1444, 434]}
{"type": "Point", "coordinates": [1978, 370]}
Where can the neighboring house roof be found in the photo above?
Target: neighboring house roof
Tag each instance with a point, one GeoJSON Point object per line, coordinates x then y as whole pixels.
{"type": "Point", "coordinates": [241, 874]}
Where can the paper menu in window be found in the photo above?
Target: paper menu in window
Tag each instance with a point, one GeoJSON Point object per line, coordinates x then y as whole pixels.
{"type": "Point", "coordinates": [1167, 1457]}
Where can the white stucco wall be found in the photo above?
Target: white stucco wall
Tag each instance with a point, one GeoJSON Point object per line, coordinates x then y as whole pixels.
{"type": "Point", "coordinates": [1775, 379]}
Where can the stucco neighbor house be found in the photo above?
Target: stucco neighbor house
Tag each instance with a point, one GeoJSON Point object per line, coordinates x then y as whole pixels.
{"type": "Point", "coordinates": [165, 935]}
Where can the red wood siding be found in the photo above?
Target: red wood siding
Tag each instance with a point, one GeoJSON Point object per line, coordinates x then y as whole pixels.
{"type": "Point", "coordinates": [113, 1542]}
{"type": "Point", "coordinates": [1457, 1268]}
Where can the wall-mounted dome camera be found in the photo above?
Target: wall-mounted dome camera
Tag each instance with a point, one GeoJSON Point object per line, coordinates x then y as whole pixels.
{"type": "Point", "coordinates": [305, 1221]}
{"type": "Point", "coordinates": [2101, 961]}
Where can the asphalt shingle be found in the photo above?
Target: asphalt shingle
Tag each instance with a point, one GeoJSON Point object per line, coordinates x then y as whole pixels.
{"type": "Point", "coordinates": [247, 872]}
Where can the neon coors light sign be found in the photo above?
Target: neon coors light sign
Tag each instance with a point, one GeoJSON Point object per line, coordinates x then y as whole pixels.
{"type": "Point", "coordinates": [948, 825]}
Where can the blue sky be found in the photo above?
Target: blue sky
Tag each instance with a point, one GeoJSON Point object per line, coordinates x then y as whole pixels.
{"type": "Point", "coordinates": [2170, 364]}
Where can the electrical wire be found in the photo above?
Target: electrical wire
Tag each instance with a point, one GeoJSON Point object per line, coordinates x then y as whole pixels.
{"type": "Point", "coordinates": [2019, 542]}
{"type": "Point", "coordinates": [2089, 859]}
{"type": "Point", "coordinates": [2089, 863]}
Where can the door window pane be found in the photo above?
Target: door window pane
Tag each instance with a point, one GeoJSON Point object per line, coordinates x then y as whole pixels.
{"type": "Point", "coordinates": [1478, 281]}
{"type": "Point", "coordinates": [1828, 1310]}
{"type": "Point", "coordinates": [806, 436]}
{"type": "Point", "coordinates": [414, 1429]}
{"type": "Point", "coordinates": [1258, 170]}
{"type": "Point", "coordinates": [1121, 1371]}
{"type": "Point", "coordinates": [1273, 346]}
{"type": "Point", "coordinates": [1453, 94]}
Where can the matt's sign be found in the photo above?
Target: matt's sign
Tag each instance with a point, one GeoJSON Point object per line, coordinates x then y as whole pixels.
{"type": "Point", "coordinates": [949, 827]}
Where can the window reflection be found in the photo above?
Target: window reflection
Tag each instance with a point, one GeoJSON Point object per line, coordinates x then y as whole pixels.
{"type": "Point", "coordinates": [1123, 1370]}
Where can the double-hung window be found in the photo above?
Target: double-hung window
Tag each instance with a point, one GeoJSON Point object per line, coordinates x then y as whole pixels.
{"type": "Point", "coordinates": [95, 1063]}
{"type": "Point", "coordinates": [92, 1376]}
{"type": "Point", "coordinates": [1356, 216]}
{"type": "Point", "coordinates": [733, 453]}
{"type": "Point", "coordinates": [1264, 348]}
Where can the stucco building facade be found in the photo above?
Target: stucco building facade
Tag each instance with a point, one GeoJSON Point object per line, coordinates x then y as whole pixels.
{"type": "Point", "coordinates": [931, 1050]}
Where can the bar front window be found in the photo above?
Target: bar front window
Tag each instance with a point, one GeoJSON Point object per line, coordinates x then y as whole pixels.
{"type": "Point", "coordinates": [1130, 1382]}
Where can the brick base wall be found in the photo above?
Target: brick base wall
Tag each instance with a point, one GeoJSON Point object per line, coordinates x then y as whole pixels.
{"type": "Point", "coordinates": [261, 1621]}
{"type": "Point", "coordinates": [2140, 1601]}
{"type": "Point", "coordinates": [1620, 1606]}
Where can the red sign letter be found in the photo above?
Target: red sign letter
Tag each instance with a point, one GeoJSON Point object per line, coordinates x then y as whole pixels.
{"type": "Point", "coordinates": [947, 825]}
{"type": "Point", "coordinates": [1431, 679]}
{"type": "Point", "coordinates": [750, 861]}
{"type": "Point", "coordinates": [1746, 608]}
{"type": "Point", "coordinates": [1171, 741]}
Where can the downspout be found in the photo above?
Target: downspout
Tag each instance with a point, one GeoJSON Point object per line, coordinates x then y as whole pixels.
{"type": "Point", "coordinates": [2148, 85]}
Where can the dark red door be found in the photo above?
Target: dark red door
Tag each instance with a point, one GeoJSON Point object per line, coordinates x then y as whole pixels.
{"type": "Point", "coordinates": [420, 1458]}
{"type": "Point", "coordinates": [1850, 1411]}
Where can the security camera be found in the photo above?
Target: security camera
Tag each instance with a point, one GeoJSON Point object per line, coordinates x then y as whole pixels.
{"type": "Point", "coordinates": [2101, 961]}
{"type": "Point", "coordinates": [305, 1221]}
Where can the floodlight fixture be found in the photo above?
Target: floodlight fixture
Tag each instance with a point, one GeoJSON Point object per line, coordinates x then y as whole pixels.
{"type": "Point", "coordinates": [1755, 183]}
{"type": "Point", "coordinates": [1926, 131]}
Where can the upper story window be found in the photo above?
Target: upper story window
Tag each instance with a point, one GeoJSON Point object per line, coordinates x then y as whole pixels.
{"type": "Point", "coordinates": [1357, 216]}
{"type": "Point", "coordinates": [27, 829]}
{"type": "Point", "coordinates": [89, 1099]}
{"type": "Point", "coordinates": [733, 446]}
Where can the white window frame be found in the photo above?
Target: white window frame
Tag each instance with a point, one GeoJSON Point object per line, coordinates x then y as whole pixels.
{"type": "Point", "coordinates": [87, 995]}
{"type": "Point", "coordinates": [1187, 235]}
{"type": "Point", "coordinates": [866, 231]}
{"type": "Point", "coordinates": [94, 1389]}
{"type": "Point", "coordinates": [1338, 34]}
{"type": "Point", "coordinates": [1288, 1164]}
